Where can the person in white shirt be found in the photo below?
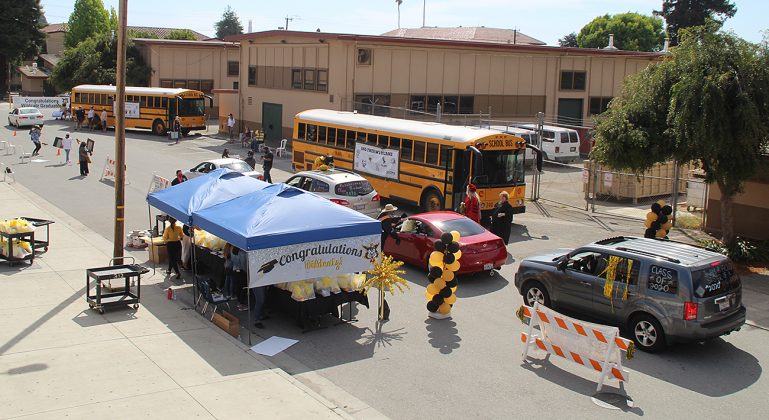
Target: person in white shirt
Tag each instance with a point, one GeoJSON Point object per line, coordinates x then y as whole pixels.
{"type": "Point", "coordinates": [103, 120]}
{"type": "Point", "coordinates": [231, 125]}
{"type": "Point", "coordinates": [91, 114]}
{"type": "Point", "coordinates": [67, 146]}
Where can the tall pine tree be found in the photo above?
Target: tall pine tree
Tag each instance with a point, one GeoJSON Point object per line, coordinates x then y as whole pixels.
{"type": "Point", "coordinates": [228, 25]}
{"type": "Point", "coordinates": [20, 34]}
{"type": "Point", "coordinates": [679, 14]}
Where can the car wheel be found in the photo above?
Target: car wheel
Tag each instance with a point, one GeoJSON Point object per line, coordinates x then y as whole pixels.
{"type": "Point", "coordinates": [535, 292]}
{"type": "Point", "coordinates": [647, 333]}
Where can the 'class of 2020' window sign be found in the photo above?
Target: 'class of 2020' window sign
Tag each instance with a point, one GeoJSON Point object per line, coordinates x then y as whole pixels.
{"type": "Point", "coordinates": [663, 279]}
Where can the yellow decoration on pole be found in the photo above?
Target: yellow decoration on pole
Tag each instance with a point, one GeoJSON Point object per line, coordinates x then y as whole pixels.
{"type": "Point", "coordinates": [385, 276]}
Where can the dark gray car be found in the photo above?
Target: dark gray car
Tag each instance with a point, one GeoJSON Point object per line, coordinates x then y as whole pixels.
{"type": "Point", "coordinates": [662, 291]}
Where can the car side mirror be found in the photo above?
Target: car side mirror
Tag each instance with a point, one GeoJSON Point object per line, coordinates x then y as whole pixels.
{"type": "Point", "coordinates": [562, 263]}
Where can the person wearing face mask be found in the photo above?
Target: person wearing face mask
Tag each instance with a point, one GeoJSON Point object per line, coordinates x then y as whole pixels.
{"type": "Point", "coordinates": [179, 178]}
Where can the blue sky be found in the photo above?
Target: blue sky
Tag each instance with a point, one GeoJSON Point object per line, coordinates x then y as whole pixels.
{"type": "Point", "coordinates": [546, 20]}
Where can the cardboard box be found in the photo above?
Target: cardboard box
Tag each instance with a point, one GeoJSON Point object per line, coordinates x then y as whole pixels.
{"type": "Point", "coordinates": [157, 249]}
{"type": "Point", "coordinates": [228, 322]}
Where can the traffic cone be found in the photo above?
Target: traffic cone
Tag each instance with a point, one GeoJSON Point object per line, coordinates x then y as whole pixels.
{"type": "Point", "coordinates": [14, 133]}
{"type": "Point", "coordinates": [58, 152]}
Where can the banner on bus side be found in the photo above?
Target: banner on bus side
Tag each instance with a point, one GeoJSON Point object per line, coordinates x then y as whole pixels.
{"type": "Point", "coordinates": [131, 109]}
{"type": "Point", "coordinates": [376, 161]}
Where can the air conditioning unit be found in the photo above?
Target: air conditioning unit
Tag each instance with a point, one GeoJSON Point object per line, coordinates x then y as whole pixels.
{"type": "Point", "coordinates": [364, 56]}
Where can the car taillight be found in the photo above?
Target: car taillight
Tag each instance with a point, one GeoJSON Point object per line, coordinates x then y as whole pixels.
{"type": "Point", "coordinates": [376, 198]}
{"type": "Point", "coordinates": [338, 201]}
{"type": "Point", "coordinates": [260, 177]}
{"type": "Point", "coordinates": [690, 311]}
{"type": "Point", "coordinates": [39, 117]}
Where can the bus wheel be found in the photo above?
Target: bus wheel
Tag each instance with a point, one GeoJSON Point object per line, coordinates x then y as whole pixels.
{"type": "Point", "coordinates": [158, 128]}
{"type": "Point", "coordinates": [431, 200]}
{"type": "Point", "coordinates": [185, 132]}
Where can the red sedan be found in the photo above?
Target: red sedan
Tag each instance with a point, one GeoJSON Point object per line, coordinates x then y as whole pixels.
{"type": "Point", "coordinates": [481, 249]}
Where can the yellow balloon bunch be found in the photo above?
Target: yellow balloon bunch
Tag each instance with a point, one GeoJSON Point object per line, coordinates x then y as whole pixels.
{"type": "Point", "coordinates": [659, 220]}
{"type": "Point", "coordinates": [444, 261]}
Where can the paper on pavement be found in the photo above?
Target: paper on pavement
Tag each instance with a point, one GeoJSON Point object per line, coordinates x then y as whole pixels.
{"type": "Point", "coordinates": [273, 345]}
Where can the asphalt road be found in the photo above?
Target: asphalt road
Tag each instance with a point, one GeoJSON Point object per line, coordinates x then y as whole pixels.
{"type": "Point", "coordinates": [411, 366]}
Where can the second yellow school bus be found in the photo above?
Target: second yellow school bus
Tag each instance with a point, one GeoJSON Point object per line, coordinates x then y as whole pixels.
{"type": "Point", "coordinates": [422, 163]}
{"type": "Point", "coordinates": [146, 107]}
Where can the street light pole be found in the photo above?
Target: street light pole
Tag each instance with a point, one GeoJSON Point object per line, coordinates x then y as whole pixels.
{"type": "Point", "coordinates": [117, 251]}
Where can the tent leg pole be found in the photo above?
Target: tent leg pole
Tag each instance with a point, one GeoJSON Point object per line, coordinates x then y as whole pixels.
{"type": "Point", "coordinates": [152, 243]}
{"type": "Point", "coordinates": [248, 297]}
{"type": "Point", "coordinates": [194, 264]}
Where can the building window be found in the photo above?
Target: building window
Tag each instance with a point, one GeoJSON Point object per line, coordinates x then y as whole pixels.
{"type": "Point", "coordinates": [599, 104]}
{"type": "Point", "coordinates": [180, 84]}
{"type": "Point", "coordinates": [233, 68]}
{"type": "Point", "coordinates": [166, 83]}
{"type": "Point", "coordinates": [573, 80]}
{"type": "Point", "coordinates": [296, 78]}
{"type": "Point", "coordinates": [364, 56]}
{"type": "Point", "coordinates": [466, 104]}
{"type": "Point", "coordinates": [417, 103]}
{"type": "Point", "coordinates": [193, 84]}
{"type": "Point", "coordinates": [206, 86]}
{"type": "Point", "coordinates": [432, 103]}
{"type": "Point", "coordinates": [252, 75]}
{"type": "Point", "coordinates": [450, 104]}
{"type": "Point", "coordinates": [322, 80]}
{"type": "Point", "coordinates": [309, 79]}
{"type": "Point", "coordinates": [235, 85]}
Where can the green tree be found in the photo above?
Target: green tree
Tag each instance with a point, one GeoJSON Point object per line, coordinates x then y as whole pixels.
{"type": "Point", "coordinates": [632, 32]}
{"type": "Point", "coordinates": [93, 61]}
{"type": "Point", "coordinates": [706, 102]}
{"type": "Point", "coordinates": [20, 35]}
{"type": "Point", "coordinates": [112, 19]}
{"type": "Point", "coordinates": [228, 25]}
{"type": "Point", "coordinates": [679, 14]}
{"type": "Point", "coordinates": [88, 19]}
{"type": "Point", "coordinates": [183, 34]}
{"type": "Point", "coordinates": [569, 40]}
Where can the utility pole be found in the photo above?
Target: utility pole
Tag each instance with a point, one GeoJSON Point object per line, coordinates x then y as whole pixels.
{"type": "Point", "coordinates": [117, 251]}
{"type": "Point", "coordinates": [424, 8]}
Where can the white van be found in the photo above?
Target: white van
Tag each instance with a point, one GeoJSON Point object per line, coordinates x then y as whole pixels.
{"type": "Point", "coordinates": [527, 135]}
{"type": "Point", "coordinates": [558, 143]}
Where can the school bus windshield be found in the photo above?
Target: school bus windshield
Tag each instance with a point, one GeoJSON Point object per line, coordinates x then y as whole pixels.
{"type": "Point", "coordinates": [192, 107]}
{"type": "Point", "coordinates": [501, 167]}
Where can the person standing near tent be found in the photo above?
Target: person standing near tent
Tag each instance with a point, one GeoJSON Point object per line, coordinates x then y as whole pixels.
{"type": "Point", "coordinates": [230, 284]}
{"type": "Point", "coordinates": [250, 159]}
{"type": "Point", "coordinates": [230, 126]}
{"type": "Point", "coordinates": [179, 178]}
{"type": "Point", "coordinates": [172, 236]}
{"type": "Point", "coordinates": [388, 221]}
{"type": "Point", "coordinates": [186, 247]}
{"type": "Point", "coordinates": [267, 164]}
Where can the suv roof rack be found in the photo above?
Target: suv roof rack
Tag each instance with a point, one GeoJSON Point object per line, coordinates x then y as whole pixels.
{"type": "Point", "coordinates": [649, 254]}
{"type": "Point", "coordinates": [612, 241]}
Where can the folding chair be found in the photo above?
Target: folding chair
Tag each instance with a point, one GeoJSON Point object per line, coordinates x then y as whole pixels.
{"type": "Point", "coordinates": [280, 151]}
{"type": "Point", "coordinates": [3, 144]}
{"type": "Point", "coordinates": [25, 155]}
{"type": "Point", "coordinates": [215, 301]}
{"type": "Point", "coordinates": [10, 149]}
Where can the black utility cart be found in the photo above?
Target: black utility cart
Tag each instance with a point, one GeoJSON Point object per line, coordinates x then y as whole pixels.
{"type": "Point", "coordinates": [10, 238]}
{"type": "Point", "coordinates": [115, 296]}
{"type": "Point", "coordinates": [39, 243]}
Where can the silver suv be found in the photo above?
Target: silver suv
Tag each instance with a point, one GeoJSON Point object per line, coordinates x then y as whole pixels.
{"type": "Point", "coordinates": [663, 291]}
{"type": "Point", "coordinates": [340, 186]}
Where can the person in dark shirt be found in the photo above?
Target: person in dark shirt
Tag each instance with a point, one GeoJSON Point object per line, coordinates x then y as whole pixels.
{"type": "Point", "coordinates": [267, 164]}
{"type": "Point", "coordinates": [80, 117]}
{"type": "Point", "coordinates": [179, 177]}
{"type": "Point", "coordinates": [502, 217]}
{"type": "Point", "coordinates": [250, 160]}
{"type": "Point", "coordinates": [388, 220]}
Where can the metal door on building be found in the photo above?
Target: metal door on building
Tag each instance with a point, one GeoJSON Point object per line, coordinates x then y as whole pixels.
{"type": "Point", "coordinates": [272, 121]}
{"type": "Point", "coordinates": [570, 111]}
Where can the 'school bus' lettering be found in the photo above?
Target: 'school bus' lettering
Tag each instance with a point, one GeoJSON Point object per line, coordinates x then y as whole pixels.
{"type": "Point", "coordinates": [150, 108]}
{"type": "Point", "coordinates": [435, 162]}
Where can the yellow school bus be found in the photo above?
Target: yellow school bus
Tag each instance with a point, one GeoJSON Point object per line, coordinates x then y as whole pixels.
{"type": "Point", "coordinates": [146, 107]}
{"type": "Point", "coordinates": [422, 163]}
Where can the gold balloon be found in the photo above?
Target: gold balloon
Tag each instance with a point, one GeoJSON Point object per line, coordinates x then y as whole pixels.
{"type": "Point", "coordinates": [444, 309]}
{"type": "Point", "coordinates": [651, 217]}
{"type": "Point", "coordinates": [453, 266]}
{"type": "Point", "coordinates": [433, 289]}
{"type": "Point", "coordinates": [429, 295]}
{"type": "Point", "coordinates": [458, 255]}
{"type": "Point", "coordinates": [439, 283]}
{"type": "Point", "coordinates": [454, 289]}
{"type": "Point", "coordinates": [447, 276]}
{"type": "Point", "coordinates": [455, 235]}
{"type": "Point", "coordinates": [436, 259]}
{"type": "Point", "coordinates": [661, 233]}
{"type": "Point", "coordinates": [451, 299]}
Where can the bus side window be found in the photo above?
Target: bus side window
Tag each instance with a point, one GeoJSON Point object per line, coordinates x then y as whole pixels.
{"type": "Point", "coordinates": [361, 137]}
{"type": "Point", "coordinates": [350, 140]}
{"type": "Point", "coordinates": [78, 97]}
{"type": "Point", "coordinates": [340, 134]}
{"type": "Point", "coordinates": [164, 103]}
{"type": "Point", "coordinates": [383, 141]}
{"type": "Point", "coordinates": [419, 151]}
{"type": "Point", "coordinates": [322, 134]}
{"type": "Point", "coordinates": [331, 136]}
{"type": "Point", "coordinates": [395, 143]}
{"type": "Point", "coordinates": [312, 132]}
{"type": "Point", "coordinates": [445, 157]}
{"type": "Point", "coordinates": [143, 101]}
{"type": "Point", "coordinates": [432, 153]}
{"type": "Point", "coordinates": [407, 147]}
{"type": "Point", "coordinates": [301, 131]}
{"type": "Point", "coordinates": [372, 139]}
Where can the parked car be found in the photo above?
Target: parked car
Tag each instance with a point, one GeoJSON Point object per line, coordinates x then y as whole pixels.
{"type": "Point", "coordinates": [340, 186]}
{"type": "Point", "coordinates": [481, 249]}
{"type": "Point", "coordinates": [234, 164]}
{"type": "Point", "coordinates": [25, 116]}
{"type": "Point", "coordinates": [675, 292]}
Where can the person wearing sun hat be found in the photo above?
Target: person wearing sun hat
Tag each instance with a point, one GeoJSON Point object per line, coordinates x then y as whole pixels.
{"type": "Point", "coordinates": [473, 204]}
{"type": "Point", "coordinates": [388, 221]}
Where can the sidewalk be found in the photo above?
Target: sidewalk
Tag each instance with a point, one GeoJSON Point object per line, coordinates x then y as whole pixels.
{"type": "Point", "coordinates": [58, 358]}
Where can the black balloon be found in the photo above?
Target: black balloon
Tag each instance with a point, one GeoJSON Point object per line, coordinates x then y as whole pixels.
{"type": "Point", "coordinates": [432, 306]}
{"type": "Point", "coordinates": [437, 299]}
{"type": "Point", "coordinates": [656, 208]}
{"type": "Point", "coordinates": [430, 278]}
{"type": "Point", "coordinates": [649, 233]}
{"type": "Point", "coordinates": [446, 238]}
{"type": "Point", "coordinates": [452, 283]}
{"type": "Point", "coordinates": [436, 272]}
{"type": "Point", "coordinates": [445, 292]}
{"type": "Point", "coordinates": [667, 210]}
{"type": "Point", "coordinates": [440, 246]}
{"type": "Point", "coordinates": [448, 258]}
{"type": "Point", "coordinates": [662, 220]}
{"type": "Point", "coordinates": [453, 247]}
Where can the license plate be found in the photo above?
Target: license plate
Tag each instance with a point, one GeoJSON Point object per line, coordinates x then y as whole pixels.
{"type": "Point", "coordinates": [573, 149]}
{"type": "Point", "coordinates": [488, 266]}
{"type": "Point", "coordinates": [723, 303]}
{"type": "Point", "coordinates": [358, 206]}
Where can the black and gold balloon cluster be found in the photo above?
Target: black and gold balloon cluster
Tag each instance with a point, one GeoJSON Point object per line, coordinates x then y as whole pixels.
{"type": "Point", "coordinates": [444, 261]}
{"type": "Point", "coordinates": [658, 221]}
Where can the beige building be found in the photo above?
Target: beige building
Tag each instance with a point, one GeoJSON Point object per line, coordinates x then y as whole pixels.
{"type": "Point", "coordinates": [285, 72]}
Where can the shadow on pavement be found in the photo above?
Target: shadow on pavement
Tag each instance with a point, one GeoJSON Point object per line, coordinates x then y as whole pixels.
{"type": "Point", "coordinates": [442, 334]}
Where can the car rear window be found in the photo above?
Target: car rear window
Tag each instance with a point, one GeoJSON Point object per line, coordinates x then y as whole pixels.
{"type": "Point", "coordinates": [464, 226]}
{"type": "Point", "coordinates": [715, 280]}
{"type": "Point", "coordinates": [27, 111]}
{"type": "Point", "coordinates": [573, 137]}
{"type": "Point", "coordinates": [353, 188]}
{"type": "Point", "coordinates": [238, 166]}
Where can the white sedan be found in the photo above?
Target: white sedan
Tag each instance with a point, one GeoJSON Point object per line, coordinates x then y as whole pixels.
{"type": "Point", "coordinates": [25, 116]}
{"type": "Point", "coordinates": [236, 165]}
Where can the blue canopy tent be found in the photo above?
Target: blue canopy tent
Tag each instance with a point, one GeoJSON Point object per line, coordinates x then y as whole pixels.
{"type": "Point", "coordinates": [291, 234]}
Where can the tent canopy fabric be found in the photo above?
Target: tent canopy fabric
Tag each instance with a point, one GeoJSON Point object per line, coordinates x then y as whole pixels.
{"type": "Point", "coordinates": [182, 200]}
{"type": "Point", "coordinates": [280, 215]}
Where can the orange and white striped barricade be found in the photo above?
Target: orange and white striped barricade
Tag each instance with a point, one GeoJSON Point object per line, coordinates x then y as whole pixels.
{"type": "Point", "coordinates": [595, 346]}
{"type": "Point", "coordinates": [109, 169]}
{"type": "Point", "coordinates": [158, 183]}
